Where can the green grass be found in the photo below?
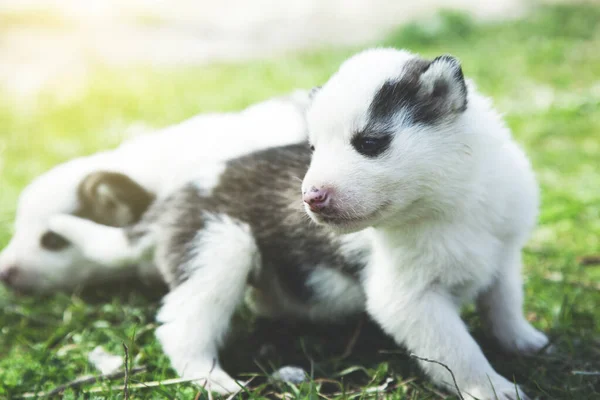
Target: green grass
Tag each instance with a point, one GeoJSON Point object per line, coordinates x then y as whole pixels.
{"type": "Point", "coordinates": [543, 72]}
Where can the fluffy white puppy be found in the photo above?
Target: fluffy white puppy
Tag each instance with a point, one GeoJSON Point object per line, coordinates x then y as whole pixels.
{"type": "Point", "coordinates": [407, 149]}
{"type": "Point", "coordinates": [115, 187]}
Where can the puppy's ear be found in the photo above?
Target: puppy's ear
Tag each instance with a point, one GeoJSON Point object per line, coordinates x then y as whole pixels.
{"type": "Point", "coordinates": [443, 83]}
{"type": "Point", "coordinates": [112, 198]}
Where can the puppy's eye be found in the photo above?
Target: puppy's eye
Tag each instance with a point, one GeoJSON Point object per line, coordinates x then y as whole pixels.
{"type": "Point", "coordinates": [370, 146]}
{"type": "Point", "coordinates": [53, 241]}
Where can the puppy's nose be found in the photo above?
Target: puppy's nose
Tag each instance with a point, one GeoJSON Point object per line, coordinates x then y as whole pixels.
{"type": "Point", "coordinates": [7, 274]}
{"type": "Point", "coordinates": [317, 199]}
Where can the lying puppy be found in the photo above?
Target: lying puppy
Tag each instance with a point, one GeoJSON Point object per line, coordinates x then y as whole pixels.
{"type": "Point", "coordinates": [116, 187]}
{"type": "Point", "coordinates": [421, 201]}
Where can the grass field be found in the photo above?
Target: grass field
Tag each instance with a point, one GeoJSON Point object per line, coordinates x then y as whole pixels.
{"type": "Point", "coordinates": [542, 72]}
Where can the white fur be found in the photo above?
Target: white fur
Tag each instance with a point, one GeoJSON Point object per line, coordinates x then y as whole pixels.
{"type": "Point", "coordinates": [160, 162]}
{"type": "Point", "coordinates": [100, 244]}
{"type": "Point", "coordinates": [447, 209]}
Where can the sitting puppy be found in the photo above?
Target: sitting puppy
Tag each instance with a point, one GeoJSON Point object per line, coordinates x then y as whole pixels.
{"type": "Point", "coordinates": [421, 201]}
{"type": "Point", "coordinates": [116, 187]}
{"type": "Point", "coordinates": [408, 151]}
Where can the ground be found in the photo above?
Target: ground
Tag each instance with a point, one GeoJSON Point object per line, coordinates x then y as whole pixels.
{"type": "Point", "coordinates": [543, 73]}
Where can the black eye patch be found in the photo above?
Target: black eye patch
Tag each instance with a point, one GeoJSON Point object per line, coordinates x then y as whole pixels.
{"type": "Point", "coordinates": [371, 146]}
{"type": "Point", "coordinates": [53, 241]}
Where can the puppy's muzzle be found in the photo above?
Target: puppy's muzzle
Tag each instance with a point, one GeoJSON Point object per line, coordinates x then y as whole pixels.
{"type": "Point", "coordinates": [316, 199]}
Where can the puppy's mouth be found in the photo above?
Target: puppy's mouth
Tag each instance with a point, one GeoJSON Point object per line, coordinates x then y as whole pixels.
{"type": "Point", "coordinates": [346, 222]}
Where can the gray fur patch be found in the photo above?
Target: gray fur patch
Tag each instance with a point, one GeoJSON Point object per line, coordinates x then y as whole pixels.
{"type": "Point", "coordinates": [407, 94]}
{"type": "Point", "coordinates": [262, 190]}
{"type": "Point", "coordinates": [112, 199]}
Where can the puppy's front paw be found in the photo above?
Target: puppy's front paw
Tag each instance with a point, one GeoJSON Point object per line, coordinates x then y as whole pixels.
{"type": "Point", "coordinates": [522, 339]}
{"type": "Point", "coordinates": [217, 381]}
{"type": "Point", "coordinates": [496, 388]}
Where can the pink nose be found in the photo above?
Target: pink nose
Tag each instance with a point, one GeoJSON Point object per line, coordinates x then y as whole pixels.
{"type": "Point", "coordinates": [316, 199]}
{"type": "Point", "coordinates": [8, 274]}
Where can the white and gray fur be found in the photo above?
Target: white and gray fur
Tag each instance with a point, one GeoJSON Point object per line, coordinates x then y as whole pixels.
{"type": "Point", "coordinates": [115, 188]}
{"type": "Point", "coordinates": [429, 202]}
{"type": "Point", "coordinates": [246, 239]}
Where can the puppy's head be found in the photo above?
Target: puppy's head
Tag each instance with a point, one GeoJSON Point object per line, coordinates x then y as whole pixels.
{"type": "Point", "coordinates": [386, 131]}
{"type": "Point", "coordinates": [39, 260]}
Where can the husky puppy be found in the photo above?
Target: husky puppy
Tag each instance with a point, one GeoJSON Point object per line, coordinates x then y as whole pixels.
{"type": "Point", "coordinates": [420, 201]}
{"type": "Point", "coordinates": [406, 150]}
{"type": "Point", "coordinates": [116, 187]}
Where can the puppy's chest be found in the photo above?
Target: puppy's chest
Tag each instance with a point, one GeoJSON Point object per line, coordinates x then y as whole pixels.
{"type": "Point", "coordinates": [463, 264]}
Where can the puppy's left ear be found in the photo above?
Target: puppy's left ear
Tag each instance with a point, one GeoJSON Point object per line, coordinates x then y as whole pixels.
{"type": "Point", "coordinates": [112, 198]}
{"type": "Point", "coordinates": [444, 84]}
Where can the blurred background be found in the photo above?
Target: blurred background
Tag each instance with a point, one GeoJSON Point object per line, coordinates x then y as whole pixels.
{"type": "Point", "coordinates": [51, 43]}
{"type": "Point", "coordinates": [80, 76]}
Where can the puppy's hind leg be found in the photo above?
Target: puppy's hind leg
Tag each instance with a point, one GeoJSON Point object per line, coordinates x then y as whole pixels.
{"type": "Point", "coordinates": [196, 314]}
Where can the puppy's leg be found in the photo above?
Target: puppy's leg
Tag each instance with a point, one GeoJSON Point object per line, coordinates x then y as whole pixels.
{"type": "Point", "coordinates": [428, 323]}
{"type": "Point", "coordinates": [196, 314]}
{"type": "Point", "coordinates": [501, 307]}
{"type": "Point", "coordinates": [102, 244]}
